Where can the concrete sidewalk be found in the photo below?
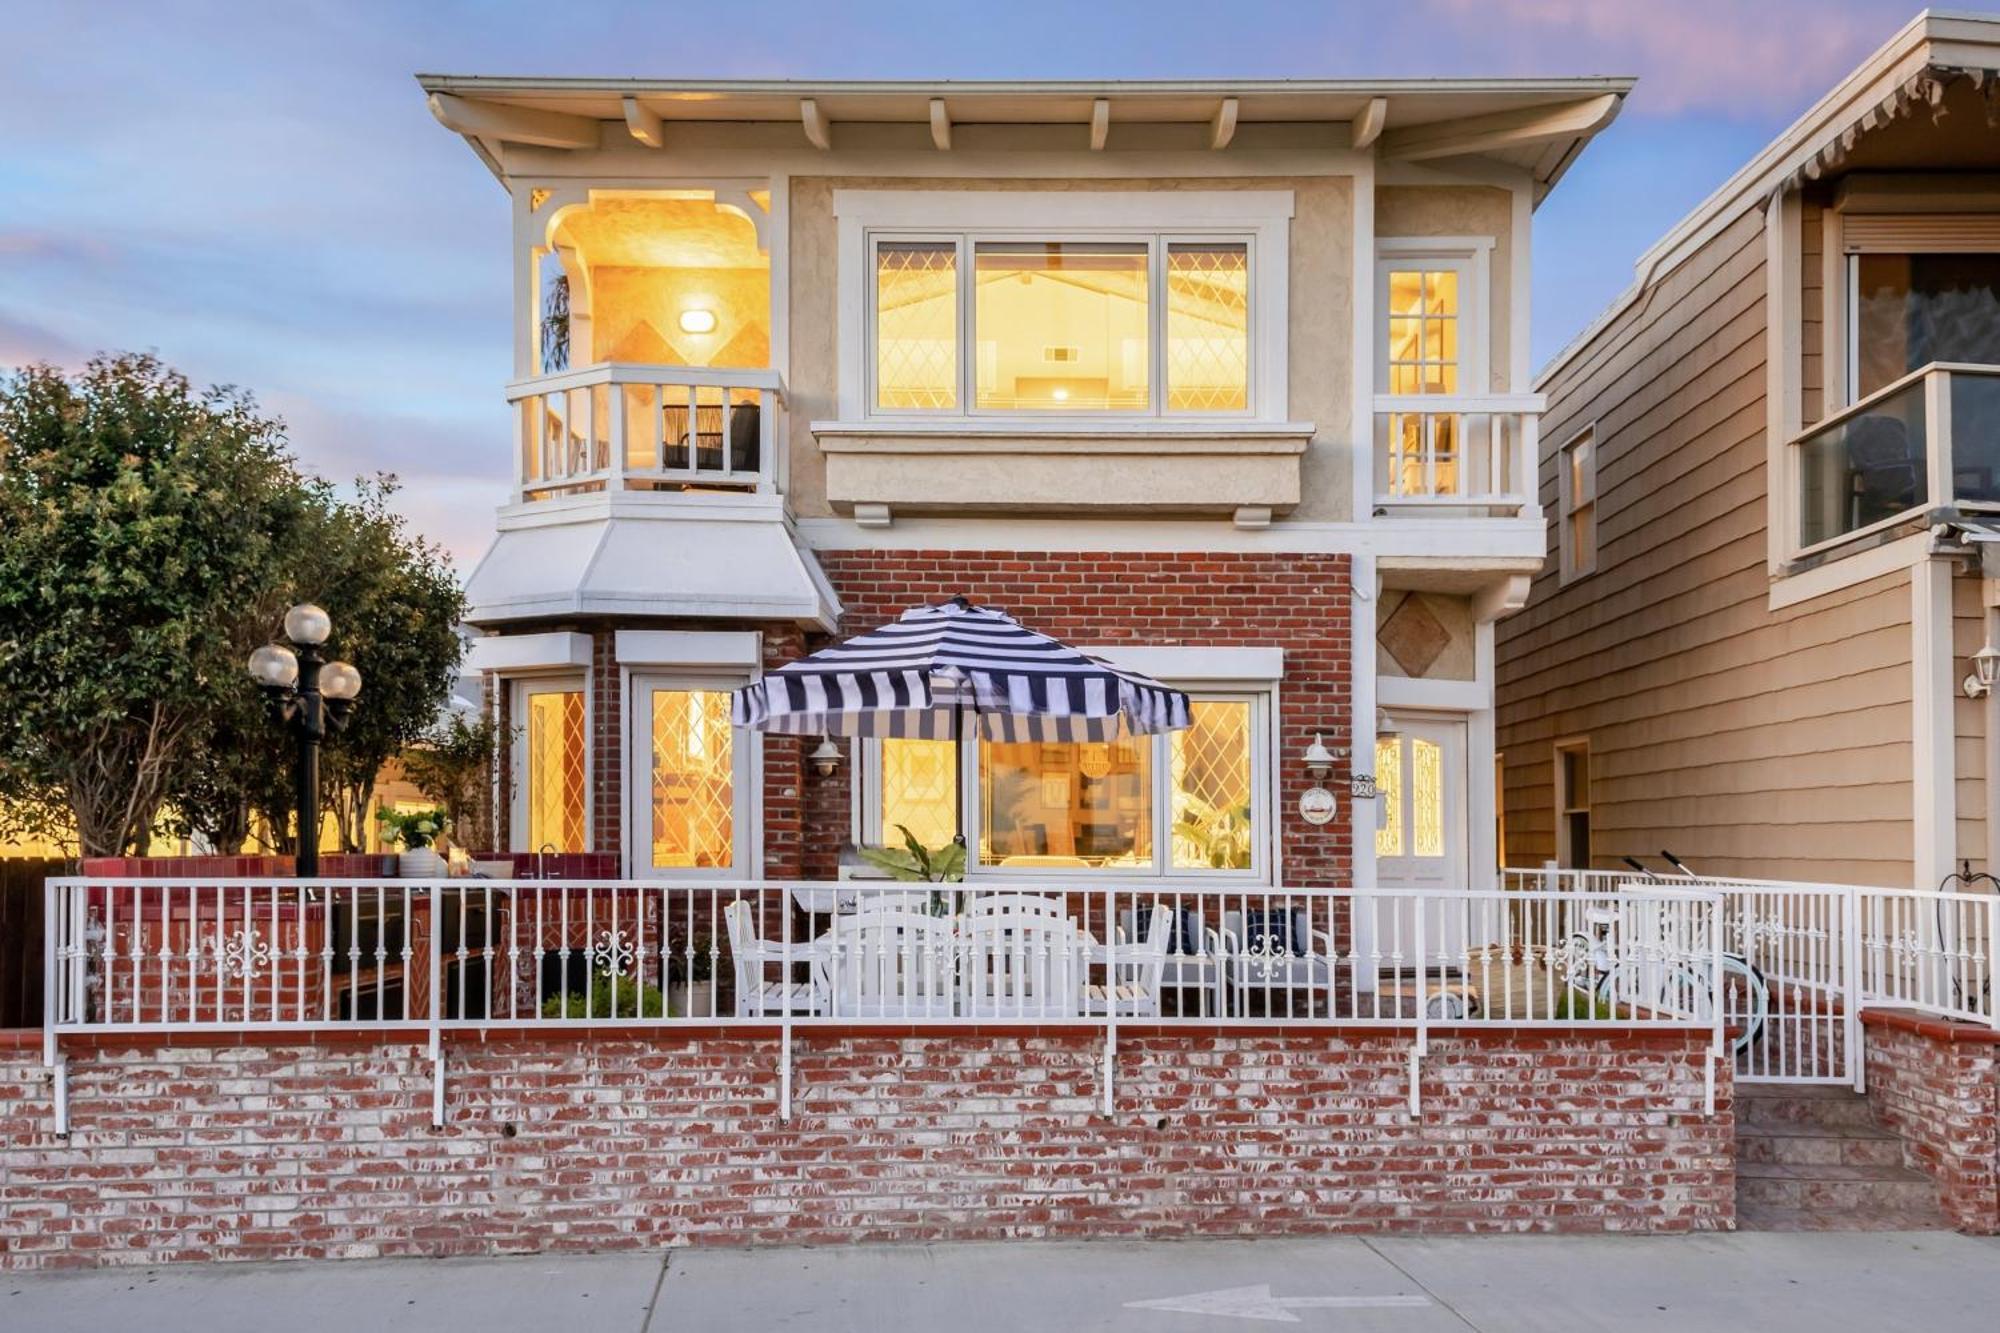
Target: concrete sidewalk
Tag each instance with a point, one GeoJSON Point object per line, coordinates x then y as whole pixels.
{"type": "Point", "coordinates": [1826, 1283]}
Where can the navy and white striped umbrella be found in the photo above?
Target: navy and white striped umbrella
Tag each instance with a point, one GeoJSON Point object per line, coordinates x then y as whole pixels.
{"type": "Point", "coordinates": [939, 669]}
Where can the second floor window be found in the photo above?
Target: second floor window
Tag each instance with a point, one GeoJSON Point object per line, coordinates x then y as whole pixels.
{"type": "Point", "coordinates": [1133, 326]}
{"type": "Point", "coordinates": [1576, 483]}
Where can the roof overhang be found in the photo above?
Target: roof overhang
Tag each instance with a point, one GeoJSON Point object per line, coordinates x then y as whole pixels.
{"type": "Point", "coordinates": [1907, 76]}
{"type": "Point", "coordinates": [1538, 125]}
{"type": "Point", "coordinates": [586, 560]}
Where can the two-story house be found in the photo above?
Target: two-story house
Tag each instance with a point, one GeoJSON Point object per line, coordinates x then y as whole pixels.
{"type": "Point", "coordinates": [1764, 637]}
{"type": "Point", "coordinates": [1227, 380]}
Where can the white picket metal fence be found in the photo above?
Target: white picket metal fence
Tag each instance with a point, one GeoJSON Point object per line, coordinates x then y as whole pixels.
{"type": "Point", "coordinates": [431, 957]}
{"type": "Point", "coordinates": [1823, 953]}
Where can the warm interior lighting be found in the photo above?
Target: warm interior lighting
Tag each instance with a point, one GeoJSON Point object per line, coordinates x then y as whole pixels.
{"type": "Point", "coordinates": [697, 321]}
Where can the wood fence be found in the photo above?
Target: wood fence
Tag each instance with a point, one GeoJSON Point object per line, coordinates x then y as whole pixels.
{"type": "Point", "coordinates": [21, 938]}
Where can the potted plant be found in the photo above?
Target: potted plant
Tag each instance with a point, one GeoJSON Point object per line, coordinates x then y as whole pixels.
{"type": "Point", "coordinates": [610, 997]}
{"type": "Point", "coordinates": [914, 863]}
{"type": "Point", "coordinates": [414, 832]}
{"type": "Point", "coordinates": [691, 978]}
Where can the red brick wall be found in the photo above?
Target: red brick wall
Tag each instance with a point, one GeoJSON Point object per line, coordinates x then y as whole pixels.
{"type": "Point", "coordinates": [245, 1152]}
{"type": "Point", "coordinates": [1296, 602]}
{"type": "Point", "coordinates": [1937, 1084]}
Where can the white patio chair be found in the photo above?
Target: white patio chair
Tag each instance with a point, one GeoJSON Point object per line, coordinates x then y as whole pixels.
{"type": "Point", "coordinates": [758, 993]}
{"type": "Point", "coordinates": [1131, 987]}
{"type": "Point", "coordinates": [1193, 971]}
{"type": "Point", "coordinates": [1288, 974]}
{"type": "Point", "coordinates": [1033, 904]}
{"type": "Point", "coordinates": [1023, 964]}
{"type": "Point", "coordinates": [890, 962]}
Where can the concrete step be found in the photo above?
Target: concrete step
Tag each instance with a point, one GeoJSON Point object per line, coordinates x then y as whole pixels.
{"type": "Point", "coordinates": [1816, 1106]}
{"type": "Point", "coordinates": [1763, 1217]}
{"type": "Point", "coordinates": [1873, 1191]}
{"type": "Point", "coordinates": [1807, 1145]}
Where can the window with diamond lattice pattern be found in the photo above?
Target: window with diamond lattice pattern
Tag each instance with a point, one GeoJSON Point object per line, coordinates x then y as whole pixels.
{"type": "Point", "coordinates": [916, 325]}
{"type": "Point", "coordinates": [694, 787]}
{"type": "Point", "coordinates": [1211, 788]}
{"type": "Point", "coordinates": [556, 777]}
{"type": "Point", "coordinates": [1208, 328]}
{"type": "Point", "coordinates": [918, 790]}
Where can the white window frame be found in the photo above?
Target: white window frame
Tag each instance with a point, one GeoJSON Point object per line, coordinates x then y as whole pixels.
{"type": "Point", "coordinates": [746, 781]}
{"type": "Point", "coordinates": [1905, 234]}
{"type": "Point", "coordinates": [1258, 219]}
{"type": "Point", "coordinates": [1471, 257]}
{"type": "Point", "coordinates": [1565, 802]}
{"type": "Point", "coordinates": [519, 688]}
{"type": "Point", "coordinates": [1570, 568]}
{"type": "Point", "coordinates": [1262, 698]}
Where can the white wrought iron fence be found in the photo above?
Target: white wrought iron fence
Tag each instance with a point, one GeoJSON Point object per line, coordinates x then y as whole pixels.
{"type": "Point", "coordinates": [433, 956]}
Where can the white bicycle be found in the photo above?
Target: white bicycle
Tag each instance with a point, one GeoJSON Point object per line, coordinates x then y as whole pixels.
{"type": "Point", "coordinates": [1591, 964]}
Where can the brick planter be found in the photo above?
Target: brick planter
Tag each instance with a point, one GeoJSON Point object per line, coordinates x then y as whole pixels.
{"type": "Point", "coordinates": [1937, 1084]}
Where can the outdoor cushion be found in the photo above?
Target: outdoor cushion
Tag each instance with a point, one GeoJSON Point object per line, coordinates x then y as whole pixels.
{"type": "Point", "coordinates": [1275, 931]}
{"type": "Point", "coordinates": [1184, 935]}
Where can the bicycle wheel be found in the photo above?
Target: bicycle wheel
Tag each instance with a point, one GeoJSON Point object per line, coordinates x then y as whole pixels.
{"type": "Point", "coordinates": [1746, 1000]}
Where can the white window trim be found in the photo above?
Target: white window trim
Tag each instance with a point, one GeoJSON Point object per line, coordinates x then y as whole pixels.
{"type": "Point", "coordinates": [1259, 218]}
{"type": "Point", "coordinates": [1472, 256]}
{"type": "Point", "coordinates": [1568, 570]}
{"type": "Point", "coordinates": [518, 690]}
{"type": "Point", "coordinates": [1262, 696]}
{"type": "Point", "coordinates": [1563, 800]}
{"type": "Point", "coordinates": [746, 761]}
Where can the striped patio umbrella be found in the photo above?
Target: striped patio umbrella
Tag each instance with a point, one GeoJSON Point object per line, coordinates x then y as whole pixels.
{"type": "Point", "coordinates": [944, 672]}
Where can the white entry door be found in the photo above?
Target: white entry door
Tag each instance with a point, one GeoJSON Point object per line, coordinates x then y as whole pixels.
{"type": "Point", "coordinates": [1420, 835]}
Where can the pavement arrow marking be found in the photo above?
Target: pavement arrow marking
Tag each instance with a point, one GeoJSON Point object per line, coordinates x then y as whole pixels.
{"type": "Point", "coordinates": [1258, 1303]}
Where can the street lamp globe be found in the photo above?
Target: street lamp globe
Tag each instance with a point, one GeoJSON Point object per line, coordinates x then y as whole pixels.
{"type": "Point", "coordinates": [308, 624]}
{"type": "Point", "coordinates": [339, 680]}
{"type": "Point", "coordinates": [274, 666]}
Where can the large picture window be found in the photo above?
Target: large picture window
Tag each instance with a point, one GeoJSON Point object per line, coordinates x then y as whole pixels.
{"type": "Point", "coordinates": [1187, 803]}
{"type": "Point", "coordinates": [1138, 326]}
{"type": "Point", "coordinates": [691, 771]}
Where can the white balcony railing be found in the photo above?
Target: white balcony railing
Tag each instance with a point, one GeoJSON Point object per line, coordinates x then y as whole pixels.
{"type": "Point", "coordinates": [616, 426]}
{"type": "Point", "coordinates": [434, 956]}
{"type": "Point", "coordinates": [1457, 453]}
{"type": "Point", "coordinates": [1930, 440]}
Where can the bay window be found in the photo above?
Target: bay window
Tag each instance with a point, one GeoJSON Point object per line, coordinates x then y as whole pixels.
{"type": "Point", "coordinates": [691, 770]}
{"type": "Point", "coordinates": [1187, 803]}
{"type": "Point", "coordinates": [551, 766]}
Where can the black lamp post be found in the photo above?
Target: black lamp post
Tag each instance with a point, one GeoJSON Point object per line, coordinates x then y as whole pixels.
{"type": "Point", "coordinates": [312, 697]}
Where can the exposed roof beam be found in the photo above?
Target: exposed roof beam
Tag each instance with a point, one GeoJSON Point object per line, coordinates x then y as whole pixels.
{"type": "Point", "coordinates": [515, 124]}
{"type": "Point", "coordinates": [818, 133]}
{"type": "Point", "coordinates": [1368, 125]}
{"type": "Point", "coordinates": [1223, 128]}
{"type": "Point", "coordinates": [1502, 129]}
{"type": "Point", "coordinates": [1100, 123]}
{"type": "Point", "coordinates": [644, 124]}
{"type": "Point", "coordinates": [940, 125]}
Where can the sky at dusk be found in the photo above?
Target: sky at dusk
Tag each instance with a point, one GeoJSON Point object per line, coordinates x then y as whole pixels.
{"type": "Point", "coordinates": [256, 192]}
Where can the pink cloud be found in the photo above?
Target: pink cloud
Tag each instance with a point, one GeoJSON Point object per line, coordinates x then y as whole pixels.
{"type": "Point", "coordinates": [1694, 55]}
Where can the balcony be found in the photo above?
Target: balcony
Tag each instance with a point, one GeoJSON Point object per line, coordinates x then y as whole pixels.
{"type": "Point", "coordinates": [1929, 441]}
{"type": "Point", "coordinates": [623, 427]}
{"type": "Point", "coordinates": [1456, 454]}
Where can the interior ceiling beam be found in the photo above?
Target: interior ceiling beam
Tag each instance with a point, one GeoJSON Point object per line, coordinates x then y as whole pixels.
{"type": "Point", "coordinates": [1223, 128]}
{"type": "Point", "coordinates": [1367, 127]}
{"type": "Point", "coordinates": [513, 124]}
{"type": "Point", "coordinates": [940, 125]}
{"type": "Point", "coordinates": [1502, 129]}
{"type": "Point", "coordinates": [818, 132]}
{"type": "Point", "coordinates": [645, 125]}
{"type": "Point", "coordinates": [1100, 123]}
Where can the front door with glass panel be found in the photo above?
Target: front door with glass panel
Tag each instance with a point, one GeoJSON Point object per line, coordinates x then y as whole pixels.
{"type": "Point", "coordinates": [690, 774]}
{"type": "Point", "coordinates": [1420, 836]}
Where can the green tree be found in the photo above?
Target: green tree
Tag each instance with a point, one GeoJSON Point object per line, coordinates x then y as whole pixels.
{"type": "Point", "coordinates": [143, 525]}
{"type": "Point", "coordinates": [453, 766]}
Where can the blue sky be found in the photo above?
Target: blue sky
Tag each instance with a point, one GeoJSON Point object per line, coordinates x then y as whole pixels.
{"type": "Point", "coordinates": [256, 192]}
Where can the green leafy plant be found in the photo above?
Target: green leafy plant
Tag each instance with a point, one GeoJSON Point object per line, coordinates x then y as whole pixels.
{"type": "Point", "coordinates": [610, 997]}
{"type": "Point", "coordinates": [411, 829]}
{"type": "Point", "coordinates": [453, 765]}
{"type": "Point", "coordinates": [1578, 1006]}
{"type": "Point", "coordinates": [696, 964]}
{"type": "Point", "coordinates": [914, 863]}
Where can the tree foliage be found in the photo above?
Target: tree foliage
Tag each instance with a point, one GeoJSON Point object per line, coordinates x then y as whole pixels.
{"type": "Point", "coordinates": [453, 766]}
{"type": "Point", "coordinates": [143, 521]}
{"type": "Point", "coordinates": [154, 536]}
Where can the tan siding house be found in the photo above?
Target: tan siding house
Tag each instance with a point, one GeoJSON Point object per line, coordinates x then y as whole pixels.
{"type": "Point", "coordinates": [1748, 647]}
